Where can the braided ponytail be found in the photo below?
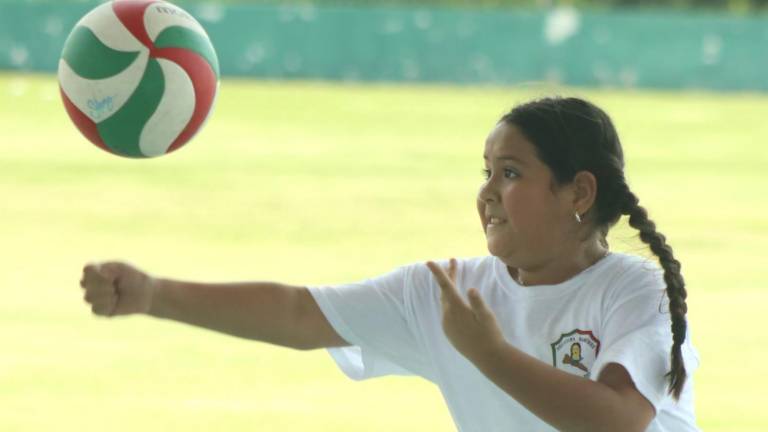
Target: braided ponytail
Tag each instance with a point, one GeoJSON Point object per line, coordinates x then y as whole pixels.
{"type": "Point", "coordinates": [638, 219]}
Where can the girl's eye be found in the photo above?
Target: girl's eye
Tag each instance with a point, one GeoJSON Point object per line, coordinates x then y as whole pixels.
{"type": "Point", "coordinates": [508, 173]}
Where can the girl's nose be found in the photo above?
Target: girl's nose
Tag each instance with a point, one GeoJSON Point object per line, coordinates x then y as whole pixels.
{"type": "Point", "coordinates": [487, 192]}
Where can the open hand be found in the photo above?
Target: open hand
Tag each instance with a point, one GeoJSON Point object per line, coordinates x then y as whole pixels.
{"type": "Point", "coordinates": [472, 328]}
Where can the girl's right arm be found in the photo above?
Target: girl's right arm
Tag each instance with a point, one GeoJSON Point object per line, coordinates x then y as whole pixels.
{"type": "Point", "coordinates": [265, 311]}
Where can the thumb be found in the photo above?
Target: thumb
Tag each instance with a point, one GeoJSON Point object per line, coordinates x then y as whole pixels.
{"type": "Point", "coordinates": [109, 271]}
{"type": "Point", "coordinates": [478, 305]}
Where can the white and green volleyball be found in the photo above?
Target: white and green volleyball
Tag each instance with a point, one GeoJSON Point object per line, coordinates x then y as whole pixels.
{"type": "Point", "coordinates": [138, 77]}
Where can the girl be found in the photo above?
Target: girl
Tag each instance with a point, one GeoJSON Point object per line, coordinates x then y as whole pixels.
{"type": "Point", "coordinates": [551, 331]}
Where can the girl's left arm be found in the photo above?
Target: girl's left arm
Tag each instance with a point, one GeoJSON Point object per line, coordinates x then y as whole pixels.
{"type": "Point", "coordinates": [565, 401]}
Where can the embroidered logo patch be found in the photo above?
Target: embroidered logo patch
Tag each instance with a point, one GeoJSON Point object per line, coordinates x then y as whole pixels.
{"type": "Point", "coordinates": [575, 352]}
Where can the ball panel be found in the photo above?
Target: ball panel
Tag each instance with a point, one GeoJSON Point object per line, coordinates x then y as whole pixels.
{"type": "Point", "coordinates": [204, 82]}
{"type": "Point", "coordinates": [110, 31]}
{"type": "Point", "coordinates": [172, 114]}
{"type": "Point", "coordinates": [162, 15]}
{"type": "Point", "coordinates": [121, 131]}
{"type": "Point", "coordinates": [131, 14]}
{"type": "Point", "coordinates": [85, 125]}
{"type": "Point", "coordinates": [100, 99]}
{"type": "Point", "coordinates": [91, 59]}
{"type": "Point", "coordinates": [182, 37]}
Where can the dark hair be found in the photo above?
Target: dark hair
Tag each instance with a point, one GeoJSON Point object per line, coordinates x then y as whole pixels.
{"type": "Point", "coordinates": [573, 135]}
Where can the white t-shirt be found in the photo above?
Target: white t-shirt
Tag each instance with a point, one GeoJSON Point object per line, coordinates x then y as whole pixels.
{"type": "Point", "coordinates": [614, 311]}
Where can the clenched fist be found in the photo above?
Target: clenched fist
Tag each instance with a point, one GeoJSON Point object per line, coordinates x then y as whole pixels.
{"type": "Point", "coordinates": [115, 288]}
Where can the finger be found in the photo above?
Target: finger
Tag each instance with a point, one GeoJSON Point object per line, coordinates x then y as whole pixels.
{"type": "Point", "coordinates": [96, 297]}
{"type": "Point", "coordinates": [98, 279]}
{"type": "Point", "coordinates": [82, 277]}
{"type": "Point", "coordinates": [104, 307]}
{"type": "Point", "coordinates": [108, 271]}
{"type": "Point", "coordinates": [447, 287]}
{"type": "Point", "coordinates": [452, 264]}
{"type": "Point", "coordinates": [86, 277]}
{"type": "Point", "coordinates": [89, 276]}
{"type": "Point", "coordinates": [92, 275]}
{"type": "Point", "coordinates": [99, 290]}
{"type": "Point", "coordinates": [478, 305]}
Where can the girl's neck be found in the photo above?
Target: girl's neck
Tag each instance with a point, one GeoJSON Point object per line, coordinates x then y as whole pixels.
{"type": "Point", "coordinates": [559, 268]}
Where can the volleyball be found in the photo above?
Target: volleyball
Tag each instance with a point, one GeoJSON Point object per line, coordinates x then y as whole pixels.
{"type": "Point", "coordinates": [138, 78]}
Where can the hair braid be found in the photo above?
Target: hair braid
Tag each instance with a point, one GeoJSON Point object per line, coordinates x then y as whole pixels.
{"type": "Point", "coordinates": [638, 219]}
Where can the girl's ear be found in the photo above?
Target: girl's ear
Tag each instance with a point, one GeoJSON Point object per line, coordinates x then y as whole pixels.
{"type": "Point", "coordinates": [584, 191]}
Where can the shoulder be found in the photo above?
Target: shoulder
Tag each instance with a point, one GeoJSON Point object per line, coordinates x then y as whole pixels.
{"type": "Point", "coordinates": [637, 283]}
{"type": "Point", "coordinates": [633, 272]}
{"type": "Point", "coordinates": [625, 278]}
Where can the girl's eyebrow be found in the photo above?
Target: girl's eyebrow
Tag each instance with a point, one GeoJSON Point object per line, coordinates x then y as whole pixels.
{"type": "Point", "coordinates": [507, 157]}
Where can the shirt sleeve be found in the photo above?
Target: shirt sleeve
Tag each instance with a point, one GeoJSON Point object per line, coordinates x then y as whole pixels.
{"type": "Point", "coordinates": [636, 333]}
{"type": "Point", "coordinates": [376, 317]}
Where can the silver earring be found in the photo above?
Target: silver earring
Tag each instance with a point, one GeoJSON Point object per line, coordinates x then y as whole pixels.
{"type": "Point", "coordinates": [578, 218]}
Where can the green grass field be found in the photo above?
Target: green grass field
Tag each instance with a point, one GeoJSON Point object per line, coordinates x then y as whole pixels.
{"type": "Point", "coordinates": [312, 183]}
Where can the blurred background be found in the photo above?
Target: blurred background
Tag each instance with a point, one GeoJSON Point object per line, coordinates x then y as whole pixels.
{"type": "Point", "coordinates": [346, 140]}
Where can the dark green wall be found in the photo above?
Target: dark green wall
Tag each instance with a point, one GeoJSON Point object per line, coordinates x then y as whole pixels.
{"type": "Point", "coordinates": [640, 48]}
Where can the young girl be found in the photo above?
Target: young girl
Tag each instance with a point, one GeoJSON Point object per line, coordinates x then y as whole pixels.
{"type": "Point", "coordinates": [551, 331]}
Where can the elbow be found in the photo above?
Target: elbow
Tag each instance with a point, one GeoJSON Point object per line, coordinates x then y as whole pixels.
{"type": "Point", "coordinates": [312, 344]}
{"type": "Point", "coordinates": [634, 427]}
{"type": "Point", "coordinates": [609, 420]}
{"type": "Point", "coordinates": [303, 346]}
{"type": "Point", "coordinates": [311, 329]}
{"type": "Point", "coordinates": [626, 424]}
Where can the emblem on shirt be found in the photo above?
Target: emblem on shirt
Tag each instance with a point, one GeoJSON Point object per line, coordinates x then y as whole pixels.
{"type": "Point", "coordinates": [575, 352]}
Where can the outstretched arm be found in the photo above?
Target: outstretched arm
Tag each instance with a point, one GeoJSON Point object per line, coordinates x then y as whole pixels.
{"type": "Point", "coordinates": [266, 311]}
{"type": "Point", "coordinates": [270, 312]}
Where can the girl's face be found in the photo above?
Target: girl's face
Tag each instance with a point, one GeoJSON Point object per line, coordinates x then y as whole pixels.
{"type": "Point", "coordinates": [576, 352]}
{"type": "Point", "coordinates": [527, 218]}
